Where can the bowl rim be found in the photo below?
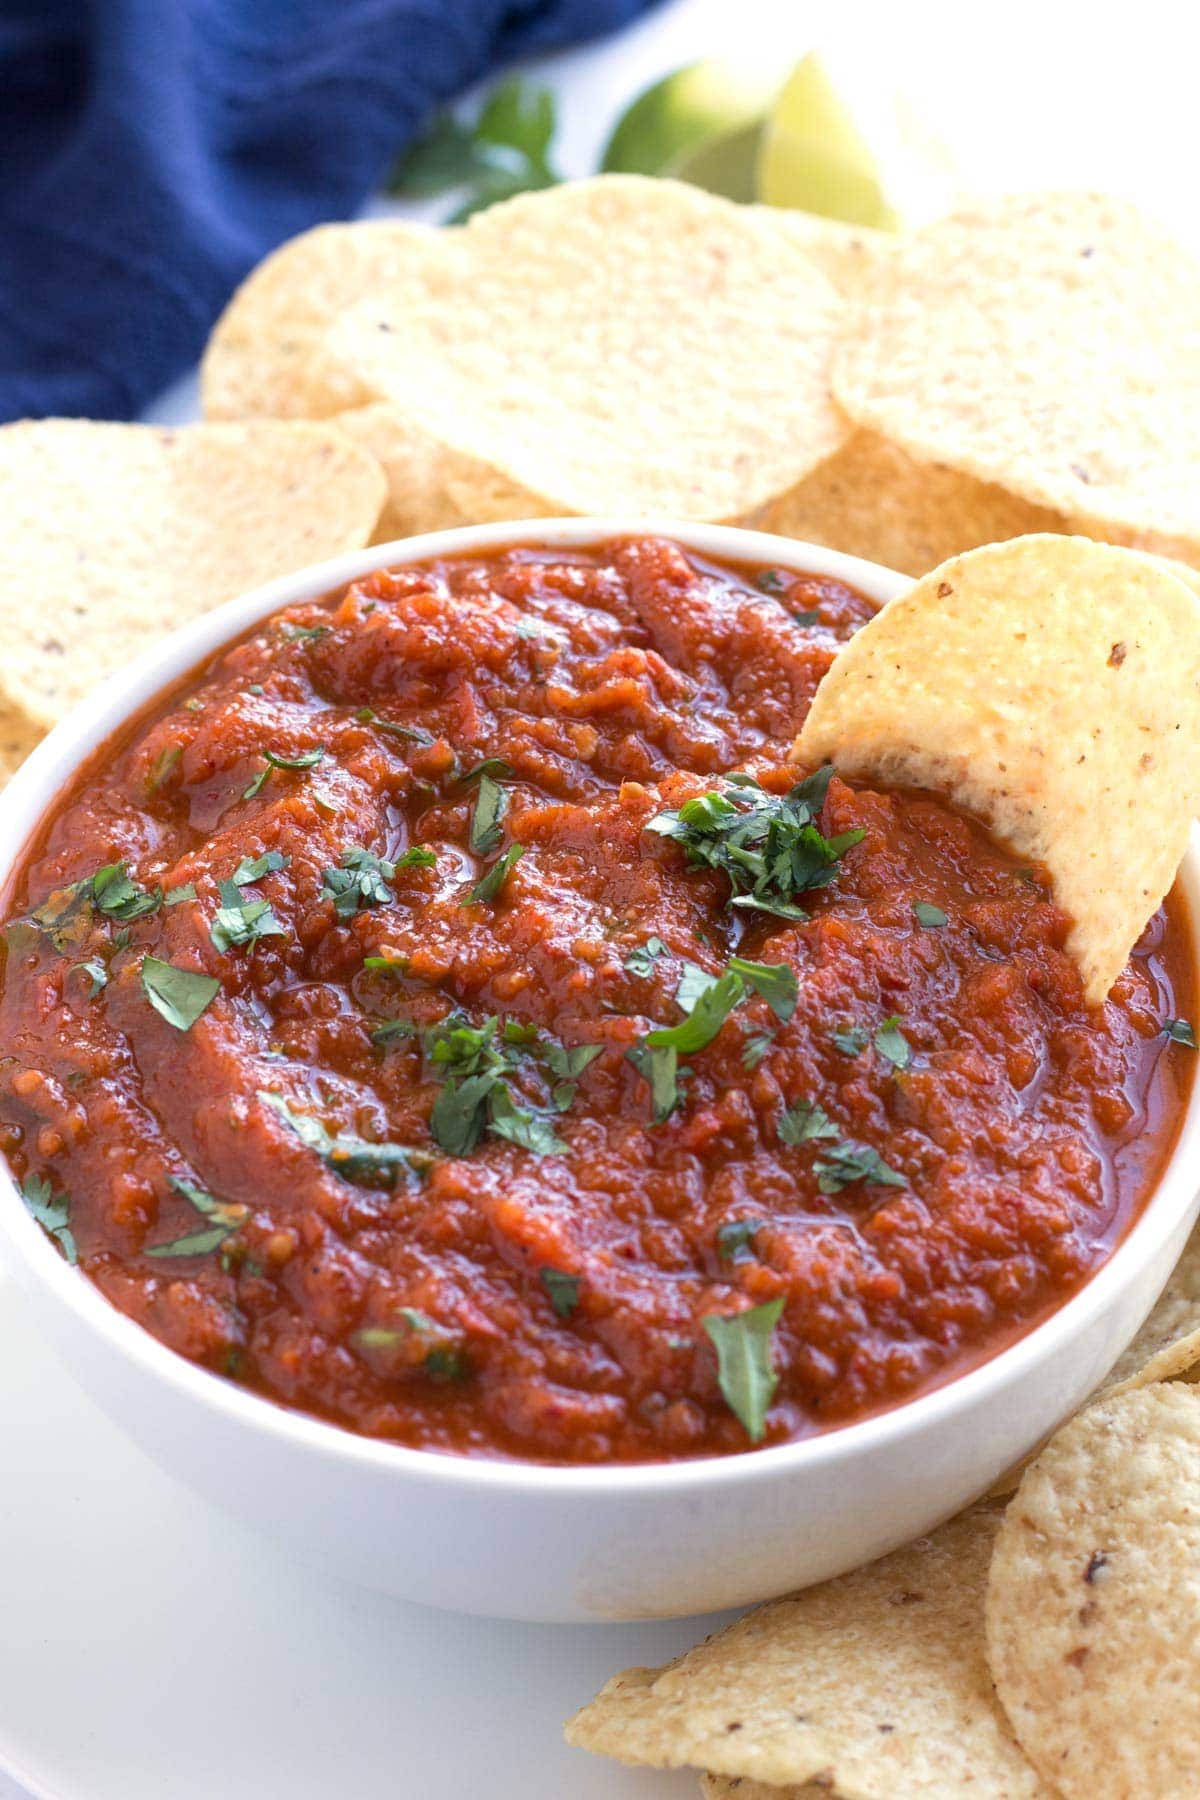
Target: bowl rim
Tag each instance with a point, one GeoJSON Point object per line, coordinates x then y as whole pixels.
{"type": "Point", "coordinates": [37, 784]}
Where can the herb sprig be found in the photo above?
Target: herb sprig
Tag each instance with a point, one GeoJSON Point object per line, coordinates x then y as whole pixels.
{"type": "Point", "coordinates": [768, 845]}
{"type": "Point", "coordinates": [505, 152]}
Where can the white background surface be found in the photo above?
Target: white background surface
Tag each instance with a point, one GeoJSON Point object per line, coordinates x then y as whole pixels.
{"type": "Point", "coordinates": [150, 1650]}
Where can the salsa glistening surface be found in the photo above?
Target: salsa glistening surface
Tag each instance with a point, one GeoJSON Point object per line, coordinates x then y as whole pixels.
{"type": "Point", "coordinates": [447, 1014]}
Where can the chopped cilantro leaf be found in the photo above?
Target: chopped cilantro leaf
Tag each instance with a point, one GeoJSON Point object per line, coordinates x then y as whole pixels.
{"type": "Point", "coordinates": [353, 1158]}
{"type": "Point", "coordinates": [805, 1121]}
{"type": "Point", "coordinates": [360, 882]}
{"type": "Point", "coordinates": [176, 895]}
{"type": "Point", "coordinates": [392, 1031]}
{"type": "Point", "coordinates": [735, 1239]}
{"type": "Point", "coordinates": [178, 995]}
{"type": "Point", "coordinates": [110, 891]}
{"type": "Point", "coordinates": [491, 804]}
{"type": "Point", "coordinates": [239, 923]}
{"type": "Point", "coordinates": [772, 581]}
{"type": "Point", "coordinates": [569, 1063]}
{"type": "Point", "coordinates": [521, 1125]}
{"type": "Point", "coordinates": [115, 895]}
{"type": "Point", "coordinates": [439, 1352]}
{"type": "Point", "coordinates": [708, 1000]}
{"type": "Point", "coordinates": [892, 1044]}
{"type": "Point", "coordinates": [253, 868]}
{"type": "Point", "coordinates": [692, 983]}
{"type": "Point", "coordinates": [642, 957]}
{"type": "Point", "coordinates": [52, 1212]}
{"type": "Point", "coordinates": [659, 1064]}
{"type": "Point", "coordinates": [366, 715]}
{"type": "Point", "coordinates": [165, 765]}
{"type": "Point", "coordinates": [227, 1219]}
{"type": "Point", "coordinates": [709, 1012]}
{"type": "Point", "coordinates": [305, 634]}
{"type": "Point", "coordinates": [385, 965]}
{"type": "Point", "coordinates": [852, 1040]}
{"type": "Point", "coordinates": [494, 767]}
{"type": "Point", "coordinates": [459, 1113]}
{"type": "Point", "coordinates": [308, 759]}
{"type": "Point", "coordinates": [474, 1063]}
{"type": "Point", "coordinates": [756, 1048]}
{"type": "Point", "coordinates": [744, 1373]}
{"type": "Point", "coordinates": [562, 1289]}
{"type": "Point", "coordinates": [927, 915]}
{"type": "Point", "coordinates": [847, 1162]}
{"type": "Point", "coordinates": [490, 883]}
{"type": "Point", "coordinates": [96, 972]}
{"type": "Point", "coordinates": [773, 982]}
{"type": "Point", "coordinates": [1180, 1032]}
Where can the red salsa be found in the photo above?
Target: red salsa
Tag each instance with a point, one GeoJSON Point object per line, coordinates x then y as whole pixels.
{"type": "Point", "coordinates": [448, 1014]}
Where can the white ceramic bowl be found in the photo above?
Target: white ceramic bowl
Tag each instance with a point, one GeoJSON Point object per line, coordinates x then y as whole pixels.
{"type": "Point", "coordinates": [521, 1540]}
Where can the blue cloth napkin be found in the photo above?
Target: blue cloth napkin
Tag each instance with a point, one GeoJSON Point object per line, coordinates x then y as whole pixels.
{"type": "Point", "coordinates": [152, 151]}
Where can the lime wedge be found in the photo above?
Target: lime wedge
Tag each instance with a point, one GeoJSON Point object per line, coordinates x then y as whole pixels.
{"type": "Point", "coordinates": [724, 165]}
{"type": "Point", "coordinates": [685, 115]}
{"type": "Point", "coordinates": [814, 157]}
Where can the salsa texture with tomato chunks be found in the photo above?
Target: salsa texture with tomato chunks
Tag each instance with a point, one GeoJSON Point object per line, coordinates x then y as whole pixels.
{"type": "Point", "coordinates": [447, 1014]}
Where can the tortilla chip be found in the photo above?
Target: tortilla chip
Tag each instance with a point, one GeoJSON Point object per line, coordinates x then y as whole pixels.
{"type": "Point", "coordinates": [1169, 1342]}
{"type": "Point", "coordinates": [115, 534]}
{"type": "Point", "coordinates": [259, 360]}
{"type": "Point", "coordinates": [619, 345]}
{"type": "Point", "coordinates": [1049, 344]}
{"type": "Point", "coordinates": [1051, 686]}
{"type": "Point", "coordinates": [17, 739]}
{"type": "Point", "coordinates": [1093, 1607]}
{"type": "Point", "coordinates": [430, 487]}
{"type": "Point", "coordinates": [413, 468]}
{"type": "Point", "coordinates": [875, 1685]}
{"type": "Point", "coordinates": [845, 254]}
{"type": "Point", "coordinates": [732, 1787]}
{"type": "Point", "coordinates": [872, 499]}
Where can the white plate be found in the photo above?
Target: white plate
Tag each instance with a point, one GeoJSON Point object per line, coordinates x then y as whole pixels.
{"type": "Point", "coordinates": [150, 1649]}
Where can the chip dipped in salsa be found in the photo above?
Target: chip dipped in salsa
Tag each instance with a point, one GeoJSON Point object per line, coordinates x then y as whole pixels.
{"type": "Point", "coordinates": [449, 1014]}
